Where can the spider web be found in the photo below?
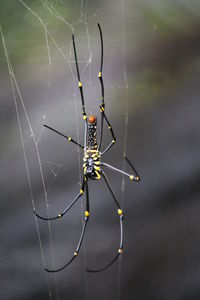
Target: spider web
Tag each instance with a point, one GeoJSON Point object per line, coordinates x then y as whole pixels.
{"type": "Point", "coordinates": [35, 141]}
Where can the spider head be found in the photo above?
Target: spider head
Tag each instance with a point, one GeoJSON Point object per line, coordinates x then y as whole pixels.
{"type": "Point", "coordinates": [92, 119]}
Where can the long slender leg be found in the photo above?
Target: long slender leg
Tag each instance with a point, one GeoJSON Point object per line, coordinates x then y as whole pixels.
{"type": "Point", "coordinates": [60, 215]}
{"type": "Point", "coordinates": [112, 134]}
{"type": "Point", "coordinates": [80, 85]}
{"type": "Point", "coordinates": [132, 167]}
{"type": "Point", "coordinates": [102, 106]}
{"type": "Point", "coordinates": [100, 76]}
{"type": "Point", "coordinates": [134, 177]}
{"type": "Point", "coordinates": [67, 137]}
{"type": "Point", "coordinates": [87, 213]}
{"type": "Point", "coordinates": [120, 213]}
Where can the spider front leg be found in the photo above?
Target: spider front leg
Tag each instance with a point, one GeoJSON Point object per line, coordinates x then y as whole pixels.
{"type": "Point", "coordinates": [63, 135]}
{"type": "Point", "coordinates": [102, 106]}
{"type": "Point", "coordinates": [80, 85]}
{"type": "Point", "coordinates": [87, 213]}
{"type": "Point", "coordinates": [60, 215]}
{"type": "Point", "coordinates": [100, 76]}
{"type": "Point", "coordinates": [120, 213]}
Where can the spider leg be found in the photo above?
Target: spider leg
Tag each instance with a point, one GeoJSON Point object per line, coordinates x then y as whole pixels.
{"type": "Point", "coordinates": [60, 215]}
{"type": "Point", "coordinates": [67, 137]}
{"type": "Point", "coordinates": [80, 85]}
{"type": "Point", "coordinates": [100, 76]}
{"type": "Point", "coordinates": [120, 213]}
{"type": "Point", "coordinates": [135, 176]}
{"type": "Point", "coordinates": [133, 168]}
{"type": "Point", "coordinates": [87, 213]}
{"type": "Point", "coordinates": [111, 131]}
{"type": "Point", "coordinates": [102, 106]}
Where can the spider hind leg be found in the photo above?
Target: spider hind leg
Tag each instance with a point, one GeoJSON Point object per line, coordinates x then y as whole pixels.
{"type": "Point", "coordinates": [87, 214]}
{"type": "Point", "coordinates": [120, 213]}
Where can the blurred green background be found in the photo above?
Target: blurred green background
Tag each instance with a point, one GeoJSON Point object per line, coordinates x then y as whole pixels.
{"type": "Point", "coordinates": [153, 44]}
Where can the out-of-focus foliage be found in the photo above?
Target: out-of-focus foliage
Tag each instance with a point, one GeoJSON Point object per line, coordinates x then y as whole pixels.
{"type": "Point", "coordinates": [162, 64]}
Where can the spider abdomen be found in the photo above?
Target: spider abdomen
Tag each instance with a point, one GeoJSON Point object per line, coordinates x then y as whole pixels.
{"type": "Point", "coordinates": [92, 129]}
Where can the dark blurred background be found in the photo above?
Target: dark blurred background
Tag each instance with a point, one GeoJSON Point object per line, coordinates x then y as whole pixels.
{"type": "Point", "coordinates": [156, 45]}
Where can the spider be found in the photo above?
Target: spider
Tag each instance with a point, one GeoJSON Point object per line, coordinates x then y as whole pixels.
{"type": "Point", "coordinates": [93, 167]}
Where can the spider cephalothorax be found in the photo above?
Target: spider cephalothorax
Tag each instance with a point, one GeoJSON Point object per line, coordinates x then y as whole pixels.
{"type": "Point", "coordinates": [93, 167]}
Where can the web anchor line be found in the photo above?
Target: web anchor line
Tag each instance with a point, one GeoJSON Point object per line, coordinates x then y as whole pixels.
{"type": "Point", "coordinates": [14, 85]}
{"type": "Point", "coordinates": [118, 296]}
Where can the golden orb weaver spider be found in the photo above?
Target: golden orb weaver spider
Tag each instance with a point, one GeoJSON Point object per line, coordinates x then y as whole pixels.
{"type": "Point", "coordinates": [92, 164]}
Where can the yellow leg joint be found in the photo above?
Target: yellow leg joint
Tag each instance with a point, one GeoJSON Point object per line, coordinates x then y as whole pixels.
{"type": "Point", "coordinates": [109, 127]}
{"type": "Point", "coordinates": [100, 74]}
{"type": "Point", "coordinates": [87, 213]}
{"type": "Point", "coordinates": [81, 191]}
{"type": "Point", "coordinates": [97, 168]}
{"type": "Point", "coordinates": [69, 138]}
{"type": "Point", "coordinates": [120, 251]}
{"type": "Point", "coordinates": [131, 177]}
{"type": "Point", "coordinates": [59, 216]}
{"type": "Point", "coordinates": [120, 212]}
{"type": "Point", "coordinates": [84, 117]}
{"type": "Point", "coordinates": [98, 175]}
{"type": "Point", "coordinates": [80, 84]}
{"type": "Point", "coordinates": [114, 141]}
{"type": "Point", "coordinates": [75, 253]}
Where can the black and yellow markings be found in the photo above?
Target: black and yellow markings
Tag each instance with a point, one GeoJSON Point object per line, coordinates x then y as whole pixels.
{"type": "Point", "coordinates": [98, 175]}
{"type": "Point", "coordinates": [97, 168]}
{"type": "Point", "coordinates": [100, 75]}
{"type": "Point", "coordinates": [102, 108]}
{"type": "Point", "coordinates": [91, 153]}
{"type": "Point", "coordinates": [95, 155]}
